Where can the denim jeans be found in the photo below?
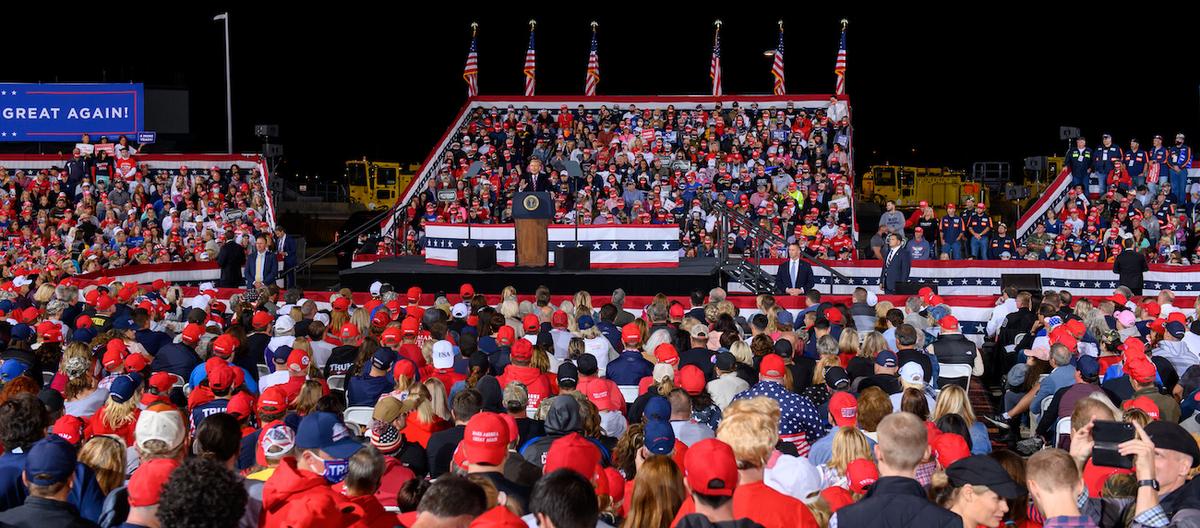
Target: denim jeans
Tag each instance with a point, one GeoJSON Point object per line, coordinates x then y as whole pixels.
{"type": "Point", "coordinates": [954, 249]}
{"type": "Point", "coordinates": [1178, 179]}
{"type": "Point", "coordinates": [979, 248]}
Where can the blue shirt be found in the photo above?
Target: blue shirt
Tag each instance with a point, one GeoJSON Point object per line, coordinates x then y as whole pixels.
{"type": "Point", "coordinates": [822, 450]}
{"type": "Point", "coordinates": [1060, 377]}
{"type": "Point", "coordinates": [629, 368]}
{"type": "Point", "coordinates": [366, 389]}
{"type": "Point", "coordinates": [207, 409]}
{"type": "Point", "coordinates": [797, 415]}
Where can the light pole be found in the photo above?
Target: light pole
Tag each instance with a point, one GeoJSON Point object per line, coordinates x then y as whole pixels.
{"type": "Point", "coordinates": [224, 17]}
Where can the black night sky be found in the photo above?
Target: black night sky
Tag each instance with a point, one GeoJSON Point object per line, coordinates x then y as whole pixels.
{"type": "Point", "coordinates": [930, 88]}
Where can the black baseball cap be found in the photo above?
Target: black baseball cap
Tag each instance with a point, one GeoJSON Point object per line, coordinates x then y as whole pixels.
{"type": "Point", "coordinates": [1170, 435]}
{"type": "Point", "coordinates": [726, 362]}
{"type": "Point", "coordinates": [783, 348]}
{"type": "Point", "coordinates": [982, 470]}
{"type": "Point", "coordinates": [587, 365]}
{"type": "Point", "coordinates": [837, 378]}
{"type": "Point", "coordinates": [568, 375]}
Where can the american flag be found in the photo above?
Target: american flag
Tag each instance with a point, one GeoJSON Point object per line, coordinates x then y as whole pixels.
{"type": "Point", "coordinates": [593, 69]}
{"type": "Point", "coordinates": [839, 66]}
{"type": "Point", "coordinates": [471, 71]}
{"type": "Point", "coordinates": [714, 69]}
{"type": "Point", "coordinates": [530, 66]}
{"type": "Point", "coordinates": [777, 67]}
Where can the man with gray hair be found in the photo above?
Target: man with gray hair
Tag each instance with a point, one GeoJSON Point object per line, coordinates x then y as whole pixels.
{"type": "Point", "coordinates": [1063, 375]}
{"type": "Point", "coordinates": [913, 306]}
{"type": "Point", "coordinates": [624, 317]}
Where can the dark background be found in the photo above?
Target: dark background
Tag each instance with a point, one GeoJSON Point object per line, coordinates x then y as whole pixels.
{"type": "Point", "coordinates": [926, 88]}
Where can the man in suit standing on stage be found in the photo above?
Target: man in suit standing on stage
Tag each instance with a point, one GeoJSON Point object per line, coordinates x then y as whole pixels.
{"type": "Point", "coordinates": [262, 267]}
{"type": "Point", "coordinates": [536, 178]}
{"type": "Point", "coordinates": [231, 259]}
{"type": "Point", "coordinates": [896, 264]}
{"type": "Point", "coordinates": [1130, 266]}
{"type": "Point", "coordinates": [286, 246]}
{"type": "Point", "coordinates": [795, 277]}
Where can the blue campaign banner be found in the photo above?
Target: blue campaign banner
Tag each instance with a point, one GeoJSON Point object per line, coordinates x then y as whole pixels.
{"type": "Point", "coordinates": [146, 138]}
{"type": "Point", "coordinates": [64, 112]}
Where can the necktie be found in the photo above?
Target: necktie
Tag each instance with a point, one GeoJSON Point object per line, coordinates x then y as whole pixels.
{"type": "Point", "coordinates": [795, 267]}
{"type": "Point", "coordinates": [259, 258]}
{"type": "Point", "coordinates": [890, 256]}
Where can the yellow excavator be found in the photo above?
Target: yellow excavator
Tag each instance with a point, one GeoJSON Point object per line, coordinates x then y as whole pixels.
{"type": "Point", "coordinates": [378, 184]}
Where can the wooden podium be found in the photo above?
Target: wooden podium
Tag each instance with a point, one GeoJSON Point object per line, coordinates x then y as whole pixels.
{"type": "Point", "coordinates": [532, 212]}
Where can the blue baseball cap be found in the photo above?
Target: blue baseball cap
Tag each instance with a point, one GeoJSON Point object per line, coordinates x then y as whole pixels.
{"type": "Point", "coordinates": [281, 353]}
{"type": "Point", "coordinates": [6, 306]}
{"type": "Point", "coordinates": [123, 323]}
{"type": "Point", "coordinates": [660, 437]}
{"type": "Point", "coordinates": [325, 431]}
{"type": "Point", "coordinates": [1089, 367]}
{"type": "Point", "coordinates": [384, 358]}
{"type": "Point", "coordinates": [83, 335]}
{"type": "Point", "coordinates": [21, 332]}
{"type": "Point", "coordinates": [784, 317]}
{"type": "Point", "coordinates": [585, 322]}
{"type": "Point", "coordinates": [886, 359]}
{"type": "Point", "coordinates": [50, 461]}
{"type": "Point", "coordinates": [124, 386]}
{"type": "Point", "coordinates": [657, 408]}
{"type": "Point", "coordinates": [11, 369]}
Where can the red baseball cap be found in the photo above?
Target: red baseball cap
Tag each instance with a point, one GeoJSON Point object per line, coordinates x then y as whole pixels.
{"type": "Point", "coordinates": [146, 483]}
{"type": "Point", "coordinates": [676, 311]}
{"type": "Point", "coordinates": [104, 302]}
{"type": "Point", "coordinates": [559, 319]}
{"type": "Point", "coordinates": [414, 295]}
{"type": "Point", "coordinates": [239, 407]}
{"type": "Point", "coordinates": [380, 319]}
{"type": "Point", "coordinates": [341, 303]}
{"type": "Point", "coordinates": [225, 345]}
{"type": "Point", "coordinates": [1140, 369]}
{"type": "Point", "coordinates": [1118, 298]}
{"type": "Point", "coordinates": [1152, 308]}
{"type": "Point", "coordinates": [665, 353]}
{"type": "Point", "coordinates": [161, 381]}
{"type": "Point", "coordinates": [837, 498]}
{"type": "Point", "coordinates": [49, 332]}
{"type": "Point", "coordinates": [297, 360]}
{"type": "Point", "coordinates": [949, 323]}
{"type": "Point", "coordinates": [691, 379]}
{"type": "Point", "coordinates": [844, 408]}
{"type": "Point", "coordinates": [771, 366]}
{"type": "Point", "coordinates": [531, 323]}
{"type": "Point", "coordinates": [834, 316]}
{"type": "Point", "coordinates": [1145, 404]}
{"type": "Point", "coordinates": [83, 321]}
{"type": "Point", "coordinates": [949, 448]}
{"type": "Point", "coordinates": [711, 468]}
{"type": "Point", "coordinates": [273, 400]}
{"type": "Point", "coordinates": [485, 439]}
{"type": "Point", "coordinates": [631, 334]}
{"type": "Point", "coordinates": [573, 452]}
{"type": "Point", "coordinates": [261, 320]}
{"type": "Point", "coordinates": [505, 335]}
{"type": "Point", "coordinates": [861, 473]}
{"type": "Point", "coordinates": [496, 517]}
{"type": "Point", "coordinates": [221, 377]}
{"type": "Point", "coordinates": [466, 291]}
{"type": "Point", "coordinates": [391, 336]}
{"type": "Point", "coordinates": [192, 333]}
{"type": "Point", "coordinates": [349, 331]}
{"type": "Point", "coordinates": [522, 350]}
{"type": "Point", "coordinates": [136, 363]}
{"type": "Point", "coordinates": [70, 428]}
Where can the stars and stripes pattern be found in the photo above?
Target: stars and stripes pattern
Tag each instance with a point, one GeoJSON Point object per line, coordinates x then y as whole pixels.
{"type": "Point", "coordinates": [799, 421]}
{"type": "Point", "coordinates": [471, 70]}
{"type": "Point", "coordinates": [839, 66]}
{"type": "Point", "coordinates": [777, 67]}
{"type": "Point", "coordinates": [593, 70]}
{"type": "Point", "coordinates": [714, 69]}
{"type": "Point", "coordinates": [612, 246]}
{"type": "Point", "coordinates": [530, 67]}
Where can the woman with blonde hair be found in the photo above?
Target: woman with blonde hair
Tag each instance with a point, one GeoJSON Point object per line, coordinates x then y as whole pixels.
{"type": "Point", "coordinates": [105, 455]}
{"type": "Point", "coordinates": [658, 492]}
{"type": "Point", "coordinates": [508, 292]}
{"type": "Point", "coordinates": [827, 351]}
{"type": "Point", "coordinates": [583, 303]}
{"type": "Point", "coordinates": [953, 400]}
{"type": "Point", "coordinates": [307, 399]}
{"type": "Point", "coordinates": [848, 346]}
{"type": "Point", "coordinates": [863, 365]}
{"type": "Point", "coordinates": [849, 444]}
{"type": "Point", "coordinates": [362, 320]}
{"type": "Point", "coordinates": [751, 428]}
{"type": "Point", "coordinates": [81, 394]}
{"type": "Point", "coordinates": [120, 413]}
{"type": "Point", "coordinates": [431, 415]}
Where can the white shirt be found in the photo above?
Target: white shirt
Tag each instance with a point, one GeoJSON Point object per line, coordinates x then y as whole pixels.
{"type": "Point", "coordinates": [793, 270]}
{"type": "Point", "coordinates": [321, 352]}
{"type": "Point", "coordinates": [999, 314]}
{"type": "Point", "coordinates": [279, 377]}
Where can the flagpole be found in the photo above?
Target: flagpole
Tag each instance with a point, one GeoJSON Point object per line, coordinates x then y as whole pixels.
{"type": "Point", "coordinates": [716, 40]}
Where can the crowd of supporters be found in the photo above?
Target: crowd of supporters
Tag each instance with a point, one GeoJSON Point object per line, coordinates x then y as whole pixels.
{"type": "Point", "coordinates": [131, 405]}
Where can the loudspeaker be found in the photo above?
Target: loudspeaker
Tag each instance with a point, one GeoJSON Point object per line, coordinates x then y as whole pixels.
{"type": "Point", "coordinates": [573, 259]}
{"type": "Point", "coordinates": [912, 287]}
{"type": "Point", "coordinates": [476, 258]}
{"type": "Point", "coordinates": [1030, 282]}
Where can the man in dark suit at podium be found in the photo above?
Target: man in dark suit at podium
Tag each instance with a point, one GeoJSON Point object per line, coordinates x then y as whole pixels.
{"type": "Point", "coordinates": [896, 264]}
{"type": "Point", "coordinates": [536, 179]}
{"type": "Point", "coordinates": [795, 276]}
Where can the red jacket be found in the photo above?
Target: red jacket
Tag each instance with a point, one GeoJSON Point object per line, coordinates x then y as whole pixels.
{"type": "Point", "coordinates": [535, 381]}
{"type": "Point", "coordinates": [96, 427]}
{"type": "Point", "coordinates": [448, 377]}
{"type": "Point", "coordinates": [373, 513]}
{"type": "Point", "coordinates": [603, 392]}
{"type": "Point", "coordinates": [394, 476]}
{"type": "Point", "coordinates": [292, 495]}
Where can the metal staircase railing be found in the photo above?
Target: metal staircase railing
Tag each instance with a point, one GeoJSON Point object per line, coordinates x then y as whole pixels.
{"type": "Point", "coordinates": [749, 272]}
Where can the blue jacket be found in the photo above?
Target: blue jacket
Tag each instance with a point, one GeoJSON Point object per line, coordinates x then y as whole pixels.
{"type": "Point", "coordinates": [611, 333]}
{"type": "Point", "coordinates": [289, 251]}
{"type": "Point", "coordinates": [207, 409]}
{"type": "Point", "coordinates": [85, 495]}
{"type": "Point", "coordinates": [1103, 158]}
{"type": "Point", "coordinates": [270, 268]}
{"type": "Point", "coordinates": [629, 368]}
{"type": "Point", "coordinates": [1135, 161]}
{"type": "Point", "coordinates": [1080, 161]}
{"type": "Point", "coordinates": [176, 358]}
{"type": "Point", "coordinates": [1180, 156]}
{"type": "Point", "coordinates": [366, 389]}
{"type": "Point", "coordinates": [951, 228]}
{"type": "Point", "coordinates": [152, 341]}
{"type": "Point", "coordinates": [895, 271]}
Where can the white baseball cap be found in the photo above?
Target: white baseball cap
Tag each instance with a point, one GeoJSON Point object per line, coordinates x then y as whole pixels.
{"type": "Point", "coordinates": [443, 355]}
{"type": "Point", "coordinates": [375, 288]}
{"type": "Point", "coordinates": [460, 311]}
{"type": "Point", "coordinates": [284, 324]}
{"type": "Point", "coordinates": [912, 373]}
{"type": "Point", "coordinates": [795, 477]}
{"type": "Point", "coordinates": [166, 426]}
{"type": "Point", "coordinates": [21, 280]}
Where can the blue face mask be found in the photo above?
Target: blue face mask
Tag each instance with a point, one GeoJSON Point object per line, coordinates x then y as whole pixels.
{"type": "Point", "coordinates": [335, 470]}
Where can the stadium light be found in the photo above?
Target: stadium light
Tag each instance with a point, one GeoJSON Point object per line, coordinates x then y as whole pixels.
{"type": "Point", "coordinates": [224, 17]}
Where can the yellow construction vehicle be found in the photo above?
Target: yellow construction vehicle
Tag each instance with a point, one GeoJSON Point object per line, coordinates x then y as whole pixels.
{"type": "Point", "coordinates": [378, 184]}
{"type": "Point", "coordinates": [909, 186]}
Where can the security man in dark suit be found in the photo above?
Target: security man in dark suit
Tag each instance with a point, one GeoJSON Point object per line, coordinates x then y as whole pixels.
{"type": "Point", "coordinates": [1130, 266]}
{"type": "Point", "coordinates": [795, 276]}
{"type": "Point", "coordinates": [897, 264]}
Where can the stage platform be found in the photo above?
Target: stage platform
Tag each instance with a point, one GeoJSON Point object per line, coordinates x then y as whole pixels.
{"type": "Point", "coordinates": [691, 274]}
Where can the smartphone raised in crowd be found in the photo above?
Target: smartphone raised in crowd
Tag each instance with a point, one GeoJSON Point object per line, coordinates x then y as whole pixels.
{"type": "Point", "coordinates": [1107, 436]}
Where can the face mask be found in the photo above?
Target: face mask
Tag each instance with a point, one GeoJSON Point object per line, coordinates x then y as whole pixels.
{"type": "Point", "coordinates": [335, 470]}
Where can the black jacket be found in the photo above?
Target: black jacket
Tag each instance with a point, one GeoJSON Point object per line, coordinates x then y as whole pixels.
{"type": "Point", "coordinates": [176, 358]}
{"type": "Point", "coordinates": [231, 259]}
{"type": "Point", "coordinates": [40, 513]}
{"type": "Point", "coordinates": [783, 277]}
{"type": "Point", "coordinates": [1018, 322]}
{"type": "Point", "coordinates": [441, 449]}
{"type": "Point", "coordinates": [1129, 266]}
{"type": "Point", "coordinates": [899, 502]}
{"type": "Point", "coordinates": [697, 520]}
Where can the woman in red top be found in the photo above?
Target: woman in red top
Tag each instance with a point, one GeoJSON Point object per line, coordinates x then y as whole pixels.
{"type": "Point", "coordinates": [120, 413]}
{"type": "Point", "coordinates": [431, 415]}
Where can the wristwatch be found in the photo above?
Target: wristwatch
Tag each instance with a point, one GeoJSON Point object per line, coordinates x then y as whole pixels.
{"type": "Point", "coordinates": [1149, 482]}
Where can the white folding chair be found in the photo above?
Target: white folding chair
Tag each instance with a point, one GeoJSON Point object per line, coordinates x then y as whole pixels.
{"type": "Point", "coordinates": [359, 416]}
{"type": "Point", "coordinates": [1012, 347]}
{"type": "Point", "coordinates": [950, 371]}
{"type": "Point", "coordinates": [630, 392]}
{"type": "Point", "coordinates": [263, 370]}
{"type": "Point", "coordinates": [337, 382]}
{"type": "Point", "coordinates": [1061, 427]}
